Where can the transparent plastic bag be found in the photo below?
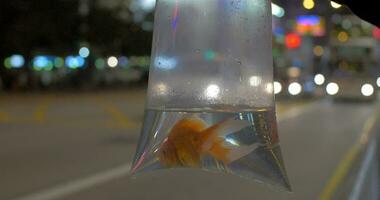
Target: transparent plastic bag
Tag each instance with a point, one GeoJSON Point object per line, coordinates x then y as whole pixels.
{"type": "Point", "coordinates": [210, 95]}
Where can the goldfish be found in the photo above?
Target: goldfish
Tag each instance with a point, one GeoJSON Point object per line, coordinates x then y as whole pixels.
{"type": "Point", "coordinates": [190, 139]}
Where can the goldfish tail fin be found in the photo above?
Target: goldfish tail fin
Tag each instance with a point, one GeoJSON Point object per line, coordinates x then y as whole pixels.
{"type": "Point", "coordinates": [229, 152]}
{"type": "Point", "coordinates": [218, 132]}
{"type": "Point", "coordinates": [219, 146]}
{"type": "Point", "coordinates": [239, 152]}
{"type": "Point", "coordinates": [230, 126]}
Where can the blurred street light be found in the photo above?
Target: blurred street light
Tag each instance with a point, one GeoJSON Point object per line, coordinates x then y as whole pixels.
{"type": "Point", "coordinates": [308, 4]}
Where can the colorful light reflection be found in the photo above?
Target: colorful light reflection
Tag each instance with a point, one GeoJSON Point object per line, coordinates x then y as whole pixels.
{"type": "Point", "coordinates": [42, 63]}
{"type": "Point", "coordinates": [74, 62]}
{"type": "Point", "coordinates": [310, 25]}
{"type": "Point", "coordinates": [292, 40]}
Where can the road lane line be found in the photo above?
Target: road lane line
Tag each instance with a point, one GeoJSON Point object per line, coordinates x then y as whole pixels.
{"type": "Point", "coordinates": [78, 185]}
{"type": "Point", "coordinates": [108, 175]}
{"type": "Point", "coordinates": [346, 163]}
{"type": "Point", "coordinates": [363, 171]}
{"type": "Point", "coordinates": [339, 174]}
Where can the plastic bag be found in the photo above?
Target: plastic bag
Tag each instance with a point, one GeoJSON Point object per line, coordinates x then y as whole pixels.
{"type": "Point", "coordinates": [210, 95]}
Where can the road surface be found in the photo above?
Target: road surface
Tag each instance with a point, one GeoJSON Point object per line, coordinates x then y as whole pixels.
{"type": "Point", "coordinates": [79, 146]}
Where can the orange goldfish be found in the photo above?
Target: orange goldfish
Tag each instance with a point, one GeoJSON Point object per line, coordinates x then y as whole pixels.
{"type": "Point", "coordinates": [190, 139]}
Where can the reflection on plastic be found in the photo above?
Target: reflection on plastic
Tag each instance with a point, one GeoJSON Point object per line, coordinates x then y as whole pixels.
{"type": "Point", "coordinates": [212, 91]}
{"type": "Point", "coordinates": [162, 89]}
{"type": "Point", "coordinates": [255, 81]}
{"type": "Point", "coordinates": [165, 63]}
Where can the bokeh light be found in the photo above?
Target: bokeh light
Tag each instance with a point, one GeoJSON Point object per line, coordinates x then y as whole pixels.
{"type": "Point", "coordinates": [277, 10]}
{"type": "Point", "coordinates": [59, 62]}
{"type": "Point", "coordinates": [378, 82]}
{"type": "Point", "coordinates": [376, 33]}
{"type": "Point", "coordinates": [112, 61]}
{"type": "Point", "coordinates": [74, 62]}
{"type": "Point", "coordinates": [147, 5]}
{"type": "Point", "coordinates": [17, 61]}
{"type": "Point", "coordinates": [342, 36]}
{"type": "Point", "coordinates": [7, 63]}
{"type": "Point", "coordinates": [277, 87]}
{"type": "Point", "coordinates": [84, 52]}
{"type": "Point", "coordinates": [100, 63]}
{"type": "Point", "coordinates": [318, 50]}
{"type": "Point", "coordinates": [42, 63]}
{"type": "Point", "coordinates": [332, 88]}
{"type": "Point", "coordinates": [294, 88]}
{"type": "Point", "coordinates": [209, 55]}
{"type": "Point", "coordinates": [294, 72]}
{"type": "Point", "coordinates": [308, 4]}
{"type": "Point", "coordinates": [319, 79]}
{"type": "Point", "coordinates": [123, 61]}
{"type": "Point", "coordinates": [367, 90]}
{"type": "Point", "coordinates": [292, 41]}
{"type": "Point", "coordinates": [347, 24]}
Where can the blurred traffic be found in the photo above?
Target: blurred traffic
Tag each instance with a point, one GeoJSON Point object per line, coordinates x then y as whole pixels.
{"type": "Point", "coordinates": [73, 78]}
{"type": "Point", "coordinates": [313, 45]}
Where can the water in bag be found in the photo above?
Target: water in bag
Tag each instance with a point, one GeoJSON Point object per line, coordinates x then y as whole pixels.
{"type": "Point", "coordinates": [243, 143]}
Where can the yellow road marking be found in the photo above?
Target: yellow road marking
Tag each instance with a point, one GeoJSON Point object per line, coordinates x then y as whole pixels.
{"type": "Point", "coordinates": [346, 163]}
{"type": "Point", "coordinates": [121, 119]}
{"type": "Point", "coordinates": [39, 114]}
{"type": "Point", "coordinates": [4, 117]}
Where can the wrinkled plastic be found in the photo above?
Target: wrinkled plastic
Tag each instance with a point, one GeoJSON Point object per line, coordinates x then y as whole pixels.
{"type": "Point", "coordinates": [210, 95]}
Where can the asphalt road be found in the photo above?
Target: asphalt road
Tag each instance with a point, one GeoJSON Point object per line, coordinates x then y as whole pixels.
{"type": "Point", "coordinates": [79, 146]}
